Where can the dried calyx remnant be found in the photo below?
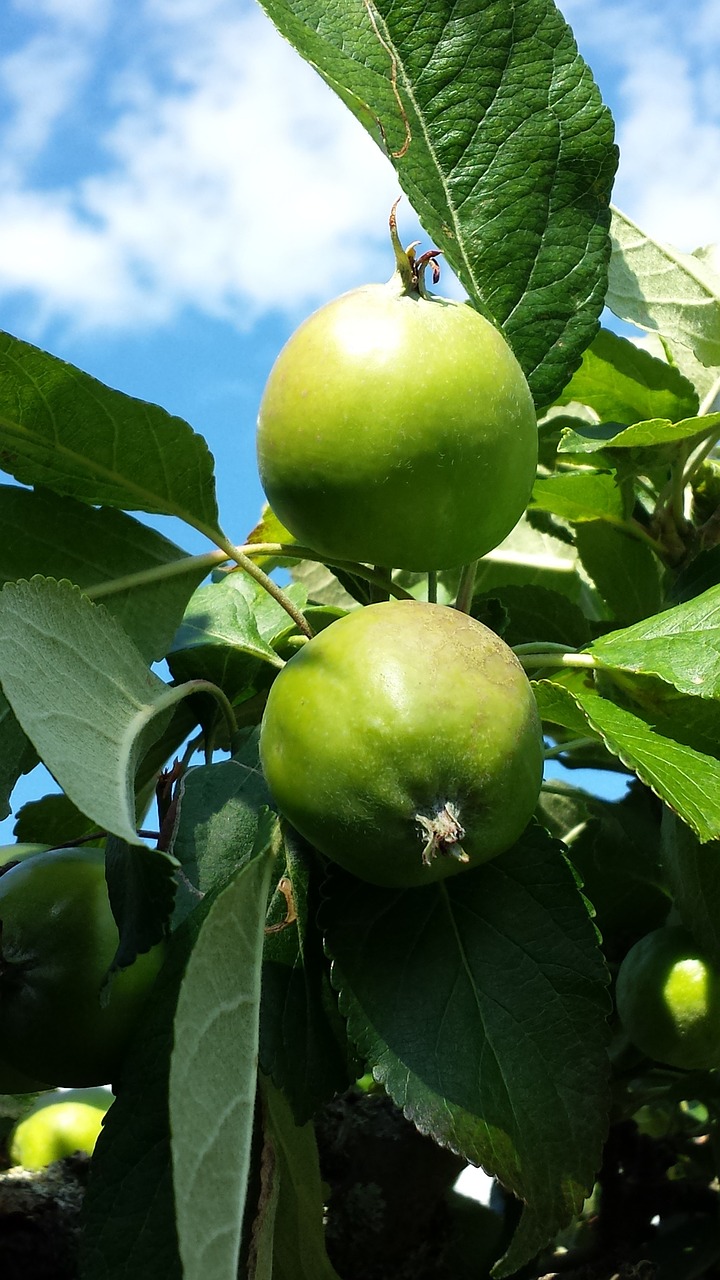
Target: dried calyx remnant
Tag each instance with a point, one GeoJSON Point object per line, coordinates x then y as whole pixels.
{"type": "Point", "coordinates": [442, 834]}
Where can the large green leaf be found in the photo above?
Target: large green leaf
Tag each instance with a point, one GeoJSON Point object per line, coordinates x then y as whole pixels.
{"type": "Point", "coordinates": [625, 571]}
{"type": "Point", "coordinates": [658, 288]}
{"type": "Point", "coordinates": [83, 695]}
{"type": "Point", "coordinates": [668, 753]}
{"type": "Point", "coordinates": [625, 384]}
{"type": "Point", "coordinates": [65, 430]}
{"type": "Point", "coordinates": [100, 549]}
{"type": "Point", "coordinates": [501, 141]}
{"type": "Point", "coordinates": [480, 1003]}
{"type": "Point", "coordinates": [213, 1070]}
{"type": "Point", "coordinates": [680, 646]}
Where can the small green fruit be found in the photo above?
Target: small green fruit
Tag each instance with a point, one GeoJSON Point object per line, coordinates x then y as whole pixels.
{"type": "Point", "coordinates": [668, 999]}
{"type": "Point", "coordinates": [404, 743]}
{"type": "Point", "coordinates": [59, 1124]}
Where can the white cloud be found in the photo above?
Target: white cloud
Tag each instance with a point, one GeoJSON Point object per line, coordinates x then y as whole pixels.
{"type": "Point", "coordinates": [222, 175]}
{"type": "Point", "coordinates": [667, 109]}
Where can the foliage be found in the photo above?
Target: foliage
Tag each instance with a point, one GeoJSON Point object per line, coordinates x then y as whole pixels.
{"type": "Point", "coordinates": [481, 1006]}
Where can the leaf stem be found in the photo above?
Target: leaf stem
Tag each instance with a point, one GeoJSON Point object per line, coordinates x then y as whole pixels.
{"type": "Point", "coordinates": [466, 587]}
{"type": "Point", "coordinates": [561, 748]}
{"type": "Point", "coordinates": [432, 586]}
{"type": "Point", "coordinates": [158, 573]}
{"type": "Point", "coordinates": [539, 659]}
{"type": "Point", "coordinates": [264, 580]}
{"type": "Point", "coordinates": [175, 693]}
{"type": "Point", "coordinates": [294, 551]}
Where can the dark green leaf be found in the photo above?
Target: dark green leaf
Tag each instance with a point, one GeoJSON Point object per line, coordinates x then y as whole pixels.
{"type": "Point", "coordinates": [536, 614]}
{"type": "Point", "coordinates": [42, 533]}
{"type": "Point", "coordinates": [17, 754]}
{"type": "Point", "coordinates": [480, 1003]}
{"type": "Point", "coordinates": [129, 1215]}
{"type": "Point", "coordinates": [141, 886]}
{"type": "Point", "coordinates": [65, 430]}
{"type": "Point", "coordinates": [217, 821]}
{"type": "Point", "coordinates": [693, 871]}
{"type": "Point", "coordinates": [303, 1044]}
{"type": "Point", "coordinates": [625, 570]}
{"type": "Point", "coordinates": [56, 819]}
{"type": "Point", "coordinates": [530, 557]}
{"type": "Point", "coordinates": [500, 140]}
{"type": "Point", "coordinates": [698, 576]}
{"type": "Point", "coordinates": [625, 384]}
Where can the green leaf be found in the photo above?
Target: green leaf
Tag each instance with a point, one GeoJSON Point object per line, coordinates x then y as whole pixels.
{"type": "Point", "coordinates": [17, 754]}
{"type": "Point", "coordinates": [584, 496]}
{"type": "Point", "coordinates": [213, 1070]}
{"type": "Point", "coordinates": [219, 807]}
{"type": "Point", "coordinates": [42, 533]}
{"type": "Point", "coordinates": [625, 571]}
{"type": "Point", "coordinates": [531, 557]}
{"type": "Point", "coordinates": [693, 870]}
{"type": "Point", "coordinates": [480, 1004]}
{"type": "Point", "coordinates": [141, 888]}
{"type": "Point", "coordinates": [228, 635]}
{"type": "Point", "coordinates": [303, 1042]}
{"type": "Point", "coordinates": [557, 705]}
{"type": "Point", "coordinates": [658, 288]}
{"type": "Point", "coordinates": [680, 646]}
{"type": "Point", "coordinates": [83, 695]}
{"type": "Point", "coordinates": [65, 430]}
{"type": "Point", "coordinates": [499, 138]}
{"type": "Point", "coordinates": [686, 778]}
{"type": "Point", "coordinates": [292, 1233]}
{"type": "Point", "coordinates": [535, 614]}
{"type": "Point", "coordinates": [654, 433]}
{"type": "Point", "coordinates": [128, 1212]}
{"type": "Point", "coordinates": [625, 384]}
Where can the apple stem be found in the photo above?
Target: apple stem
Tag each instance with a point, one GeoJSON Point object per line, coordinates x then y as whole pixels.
{"type": "Point", "coordinates": [443, 833]}
{"type": "Point", "coordinates": [408, 267]}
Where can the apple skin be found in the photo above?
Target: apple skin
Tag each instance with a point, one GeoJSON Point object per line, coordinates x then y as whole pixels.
{"type": "Point", "coordinates": [60, 1123]}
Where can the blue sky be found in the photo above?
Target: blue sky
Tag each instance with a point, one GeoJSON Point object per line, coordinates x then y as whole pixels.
{"type": "Point", "coordinates": [178, 189]}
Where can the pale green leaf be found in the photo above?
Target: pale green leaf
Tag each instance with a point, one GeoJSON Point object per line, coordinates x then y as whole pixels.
{"type": "Point", "coordinates": [661, 289]}
{"type": "Point", "coordinates": [680, 645]}
{"type": "Point", "coordinates": [213, 1070]}
{"type": "Point", "coordinates": [291, 1236]}
{"type": "Point", "coordinates": [584, 496]}
{"type": "Point", "coordinates": [641, 435]}
{"type": "Point", "coordinates": [688, 780]}
{"type": "Point", "coordinates": [83, 695]}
